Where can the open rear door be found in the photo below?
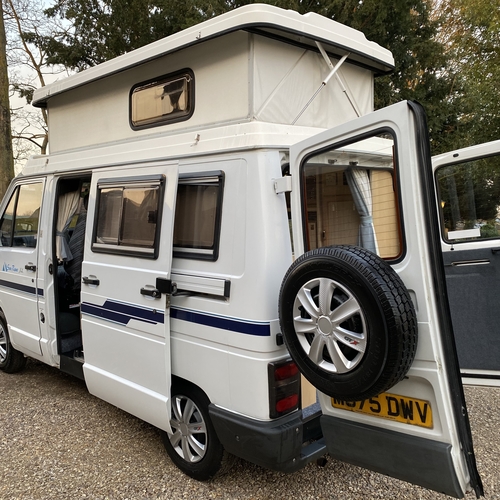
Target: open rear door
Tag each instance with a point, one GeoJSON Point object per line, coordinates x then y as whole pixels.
{"type": "Point", "coordinates": [364, 308]}
{"type": "Point", "coordinates": [468, 198]}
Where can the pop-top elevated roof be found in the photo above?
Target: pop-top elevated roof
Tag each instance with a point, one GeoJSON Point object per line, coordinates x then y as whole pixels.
{"type": "Point", "coordinates": [285, 25]}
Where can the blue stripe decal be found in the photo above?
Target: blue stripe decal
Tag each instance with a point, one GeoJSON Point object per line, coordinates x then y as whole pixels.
{"type": "Point", "coordinates": [118, 312]}
{"type": "Point", "coordinates": [21, 288]}
{"type": "Point", "coordinates": [224, 323]}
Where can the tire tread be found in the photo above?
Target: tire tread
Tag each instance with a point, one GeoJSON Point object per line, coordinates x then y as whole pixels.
{"type": "Point", "coordinates": [15, 360]}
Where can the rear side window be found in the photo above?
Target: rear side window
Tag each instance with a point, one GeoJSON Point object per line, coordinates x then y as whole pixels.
{"type": "Point", "coordinates": [19, 224]}
{"type": "Point", "coordinates": [350, 197]}
{"type": "Point", "coordinates": [128, 216]}
{"type": "Point", "coordinates": [469, 200]}
{"type": "Point", "coordinates": [198, 216]}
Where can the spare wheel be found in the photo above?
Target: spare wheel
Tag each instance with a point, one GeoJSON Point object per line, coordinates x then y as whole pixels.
{"type": "Point", "coordinates": [348, 322]}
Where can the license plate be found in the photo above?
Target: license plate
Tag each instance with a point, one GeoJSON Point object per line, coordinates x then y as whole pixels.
{"type": "Point", "coordinates": [393, 407]}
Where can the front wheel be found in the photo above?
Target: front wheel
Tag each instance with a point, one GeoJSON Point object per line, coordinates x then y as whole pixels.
{"type": "Point", "coordinates": [11, 360]}
{"type": "Point", "coordinates": [193, 446]}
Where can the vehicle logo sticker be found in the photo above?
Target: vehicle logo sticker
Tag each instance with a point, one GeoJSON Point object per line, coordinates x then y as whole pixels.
{"type": "Point", "coordinates": [351, 341]}
{"type": "Point", "coordinates": [10, 268]}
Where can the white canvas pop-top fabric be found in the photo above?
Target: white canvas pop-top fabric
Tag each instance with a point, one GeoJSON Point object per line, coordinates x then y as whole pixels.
{"type": "Point", "coordinates": [286, 77]}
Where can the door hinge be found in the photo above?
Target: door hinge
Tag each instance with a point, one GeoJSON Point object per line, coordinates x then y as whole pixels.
{"type": "Point", "coordinates": [283, 184]}
{"type": "Point", "coordinates": [166, 286]}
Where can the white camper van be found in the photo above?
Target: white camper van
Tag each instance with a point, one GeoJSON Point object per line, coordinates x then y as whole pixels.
{"type": "Point", "coordinates": [222, 227]}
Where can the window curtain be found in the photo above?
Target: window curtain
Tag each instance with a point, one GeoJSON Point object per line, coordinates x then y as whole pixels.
{"type": "Point", "coordinates": [359, 184]}
{"type": "Point", "coordinates": [68, 204]}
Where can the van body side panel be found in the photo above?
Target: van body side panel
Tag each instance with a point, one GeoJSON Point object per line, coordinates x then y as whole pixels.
{"type": "Point", "coordinates": [125, 321]}
{"type": "Point", "coordinates": [237, 333]}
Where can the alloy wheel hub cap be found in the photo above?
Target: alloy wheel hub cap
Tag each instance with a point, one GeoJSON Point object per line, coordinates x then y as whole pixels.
{"type": "Point", "coordinates": [325, 326]}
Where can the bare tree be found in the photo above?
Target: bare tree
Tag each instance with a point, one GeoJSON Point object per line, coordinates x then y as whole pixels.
{"type": "Point", "coordinates": [26, 24]}
{"type": "Point", "coordinates": [6, 158]}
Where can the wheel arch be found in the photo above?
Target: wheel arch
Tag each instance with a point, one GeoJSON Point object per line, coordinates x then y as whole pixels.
{"type": "Point", "coordinates": [180, 382]}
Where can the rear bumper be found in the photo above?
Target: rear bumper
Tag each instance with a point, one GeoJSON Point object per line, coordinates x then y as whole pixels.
{"type": "Point", "coordinates": [286, 444]}
{"type": "Point", "coordinates": [410, 458]}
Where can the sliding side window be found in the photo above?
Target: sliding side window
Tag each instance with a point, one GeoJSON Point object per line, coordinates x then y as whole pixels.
{"type": "Point", "coordinates": [351, 198]}
{"type": "Point", "coordinates": [198, 216]}
{"type": "Point", "coordinates": [128, 216]}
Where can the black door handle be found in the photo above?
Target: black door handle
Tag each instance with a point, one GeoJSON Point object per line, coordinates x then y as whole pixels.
{"type": "Point", "coordinates": [495, 250]}
{"type": "Point", "coordinates": [90, 281]}
{"type": "Point", "coordinates": [151, 292]}
{"type": "Point", "coordinates": [30, 267]}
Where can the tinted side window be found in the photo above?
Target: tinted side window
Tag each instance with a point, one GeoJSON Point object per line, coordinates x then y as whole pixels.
{"type": "Point", "coordinates": [469, 200]}
{"type": "Point", "coordinates": [7, 219]}
{"type": "Point", "coordinates": [197, 216]}
{"type": "Point", "coordinates": [19, 224]}
{"type": "Point", "coordinates": [128, 216]}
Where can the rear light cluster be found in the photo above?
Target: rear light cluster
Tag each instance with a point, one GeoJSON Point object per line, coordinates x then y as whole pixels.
{"type": "Point", "coordinates": [284, 388]}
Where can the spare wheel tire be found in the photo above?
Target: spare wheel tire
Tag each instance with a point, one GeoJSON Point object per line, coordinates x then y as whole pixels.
{"type": "Point", "coordinates": [348, 322]}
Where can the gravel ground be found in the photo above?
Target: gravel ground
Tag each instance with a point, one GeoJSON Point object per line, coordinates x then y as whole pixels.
{"type": "Point", "coordinates": [59, 442]}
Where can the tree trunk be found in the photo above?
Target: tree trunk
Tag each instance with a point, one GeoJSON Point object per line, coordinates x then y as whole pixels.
{"type": "Point", "coordinates": [6, 157]}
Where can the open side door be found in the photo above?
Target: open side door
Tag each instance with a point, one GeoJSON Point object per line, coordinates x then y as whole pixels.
{"type": "Point", "coordinates": [468, 197]}
{"type": "Point", "coordinates": [364, 307]}
{"type": "Point", "coordinates": [125, 289]}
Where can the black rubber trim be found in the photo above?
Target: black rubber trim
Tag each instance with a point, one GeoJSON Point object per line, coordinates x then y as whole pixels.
{"type": "Point", "coordinates": [441, 299]}
{"type": "Point", "coordinates": [276, 444]}
{"type": "Point", "coordinates": [414, 459]}
{"type": "Point", "coordinates": [72, 367]}
{"type": "Point", "coordinates": [479, 376]}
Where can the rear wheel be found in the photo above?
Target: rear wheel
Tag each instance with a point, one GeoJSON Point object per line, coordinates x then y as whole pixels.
{"type": "Point", "coordinates": [11, 360]}
{"type": "Point", "coordinates": [348, 322]}
{"type": "Point", "coordinates": [193, 445]}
